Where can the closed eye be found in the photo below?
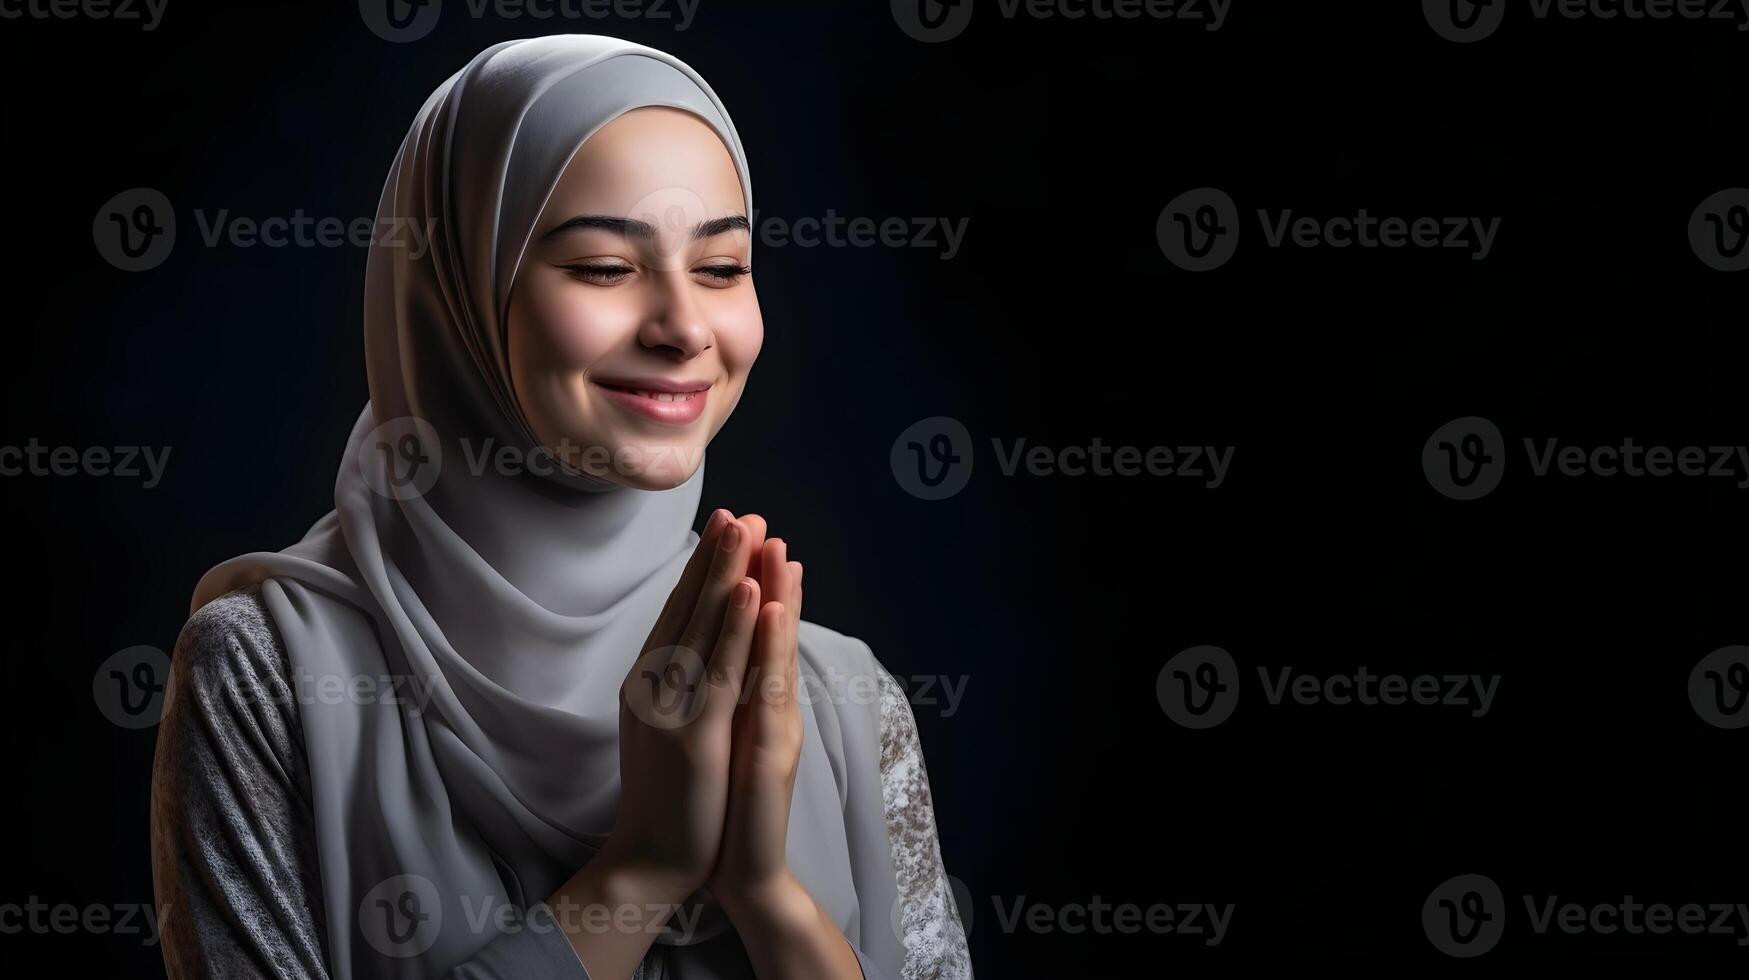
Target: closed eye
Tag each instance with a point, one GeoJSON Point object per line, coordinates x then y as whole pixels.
{"type": "Point", "coordinates": [600, 273]}
{"type": "Point", "coordinates": [726, 272]}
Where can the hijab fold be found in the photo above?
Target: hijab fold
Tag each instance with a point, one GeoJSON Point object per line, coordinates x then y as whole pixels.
{"type": "Point", "coordinates": [458, 633]}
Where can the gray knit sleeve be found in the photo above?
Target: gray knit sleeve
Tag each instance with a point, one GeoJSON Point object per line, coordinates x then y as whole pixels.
{"type": "Point", "coordinates": [233, 837]}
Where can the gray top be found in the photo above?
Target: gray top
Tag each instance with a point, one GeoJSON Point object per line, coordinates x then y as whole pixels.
{"type": "Point", "coordinates": [234, 847]}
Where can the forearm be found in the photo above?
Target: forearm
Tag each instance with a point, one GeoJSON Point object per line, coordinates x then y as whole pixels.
{"type": "Point", "coordinates": [611, 913]}
{"type": "Point", "coordinates": [788, 936]}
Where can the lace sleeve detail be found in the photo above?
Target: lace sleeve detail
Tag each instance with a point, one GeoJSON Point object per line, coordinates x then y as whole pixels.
{"type": "Point", "coordinates": [934, 939]}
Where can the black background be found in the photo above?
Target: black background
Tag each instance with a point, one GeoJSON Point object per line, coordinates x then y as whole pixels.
{"type": "Point", "coordinates": [1054, 600]}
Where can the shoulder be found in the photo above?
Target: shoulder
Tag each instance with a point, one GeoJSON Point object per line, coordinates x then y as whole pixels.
{"type": "Point", "coordinates": [850, 663]}
{"type": "Point", "coordinates": [847, 663]}
{"type": "Point", "coordinates": [228, 640]}
{"type": "Point", "coordinates": [229, 693]}
{"type": "Point", "coordinates": [828, 648]}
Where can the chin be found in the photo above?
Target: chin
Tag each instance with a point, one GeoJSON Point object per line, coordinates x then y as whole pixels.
{"type": "Point", "coordinates": [666, 473]}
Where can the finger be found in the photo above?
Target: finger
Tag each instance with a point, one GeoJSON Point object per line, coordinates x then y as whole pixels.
{"type": "Point", "coordinates": [727, 672]}
{"type": "Point", "coordinates": [771, 562]}
{"type": "Point", "coordinates": [757, 526]}
{"type": "Point", "coordinates": [771, 646]}
{"type": "Point", "coordinates": [684, 596]}
{"type": "Point", "coordinates": [794, 602]}
{"type": "Point", "coordinates": [728, 565]}
{"type": "Point", "coordinates": [783, 580]}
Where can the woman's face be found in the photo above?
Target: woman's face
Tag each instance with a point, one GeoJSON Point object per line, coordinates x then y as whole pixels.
{"type": "Point", "coordinates": [633, 320]}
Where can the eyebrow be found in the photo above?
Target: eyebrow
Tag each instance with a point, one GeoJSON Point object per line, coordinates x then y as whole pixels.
{"type": "Point", "coordinates": [632, 228]}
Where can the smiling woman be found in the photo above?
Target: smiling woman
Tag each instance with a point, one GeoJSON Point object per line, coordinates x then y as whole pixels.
{"type": "Point", "coordinates": [606, 770]}
{"type": "Point", "coordinates": [634, 321]}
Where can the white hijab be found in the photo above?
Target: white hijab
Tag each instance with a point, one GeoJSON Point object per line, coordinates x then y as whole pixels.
{"type": "Point", "coordinates": [505, 608]}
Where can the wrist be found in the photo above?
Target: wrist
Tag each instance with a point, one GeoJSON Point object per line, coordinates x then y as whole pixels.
{"type": "Point", "coordinates": [780, 901]}
{"type": "Point", "coordinates": [621, 881]}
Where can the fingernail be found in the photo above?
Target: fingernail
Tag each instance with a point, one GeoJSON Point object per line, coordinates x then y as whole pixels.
{"type": "Point", "coordinates": [743, 595]}
{"type": "Point", "coordinates": [731, 537]}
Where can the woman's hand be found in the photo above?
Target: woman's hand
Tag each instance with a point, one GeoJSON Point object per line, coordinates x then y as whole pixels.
{"type": "Point", "coordinates": [766, 743]}
{"type": "Point", "coordinates": [676, 708]}
{"type": "Point", "coordinates": [785, 932]}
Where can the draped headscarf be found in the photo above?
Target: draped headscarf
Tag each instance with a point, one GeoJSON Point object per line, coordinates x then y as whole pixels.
{"type": "Point", "coordinates": [458, 633]}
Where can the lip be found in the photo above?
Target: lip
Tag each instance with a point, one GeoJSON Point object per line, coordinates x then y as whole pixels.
{"type": "Point", "coordinates": [681, 412]}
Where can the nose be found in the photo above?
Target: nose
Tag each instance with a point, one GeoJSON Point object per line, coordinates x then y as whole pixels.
{"type": "Point", "coordinates": [676, 325]}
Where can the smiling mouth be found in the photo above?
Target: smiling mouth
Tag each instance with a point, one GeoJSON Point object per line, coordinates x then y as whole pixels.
{"type": "Point", "coordinates": [661, 396]}
{"type": "Point", "coordinates": [667, 407]}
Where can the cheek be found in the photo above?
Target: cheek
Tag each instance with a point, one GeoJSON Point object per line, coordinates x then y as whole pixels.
{"type": "Point", "coordinates": [740, 333]}
{"type": "Point", "coordinates": [575, 330]}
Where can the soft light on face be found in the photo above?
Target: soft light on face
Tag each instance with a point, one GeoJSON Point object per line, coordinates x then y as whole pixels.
{"type": "Point", "coordinates": [633, 319]}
